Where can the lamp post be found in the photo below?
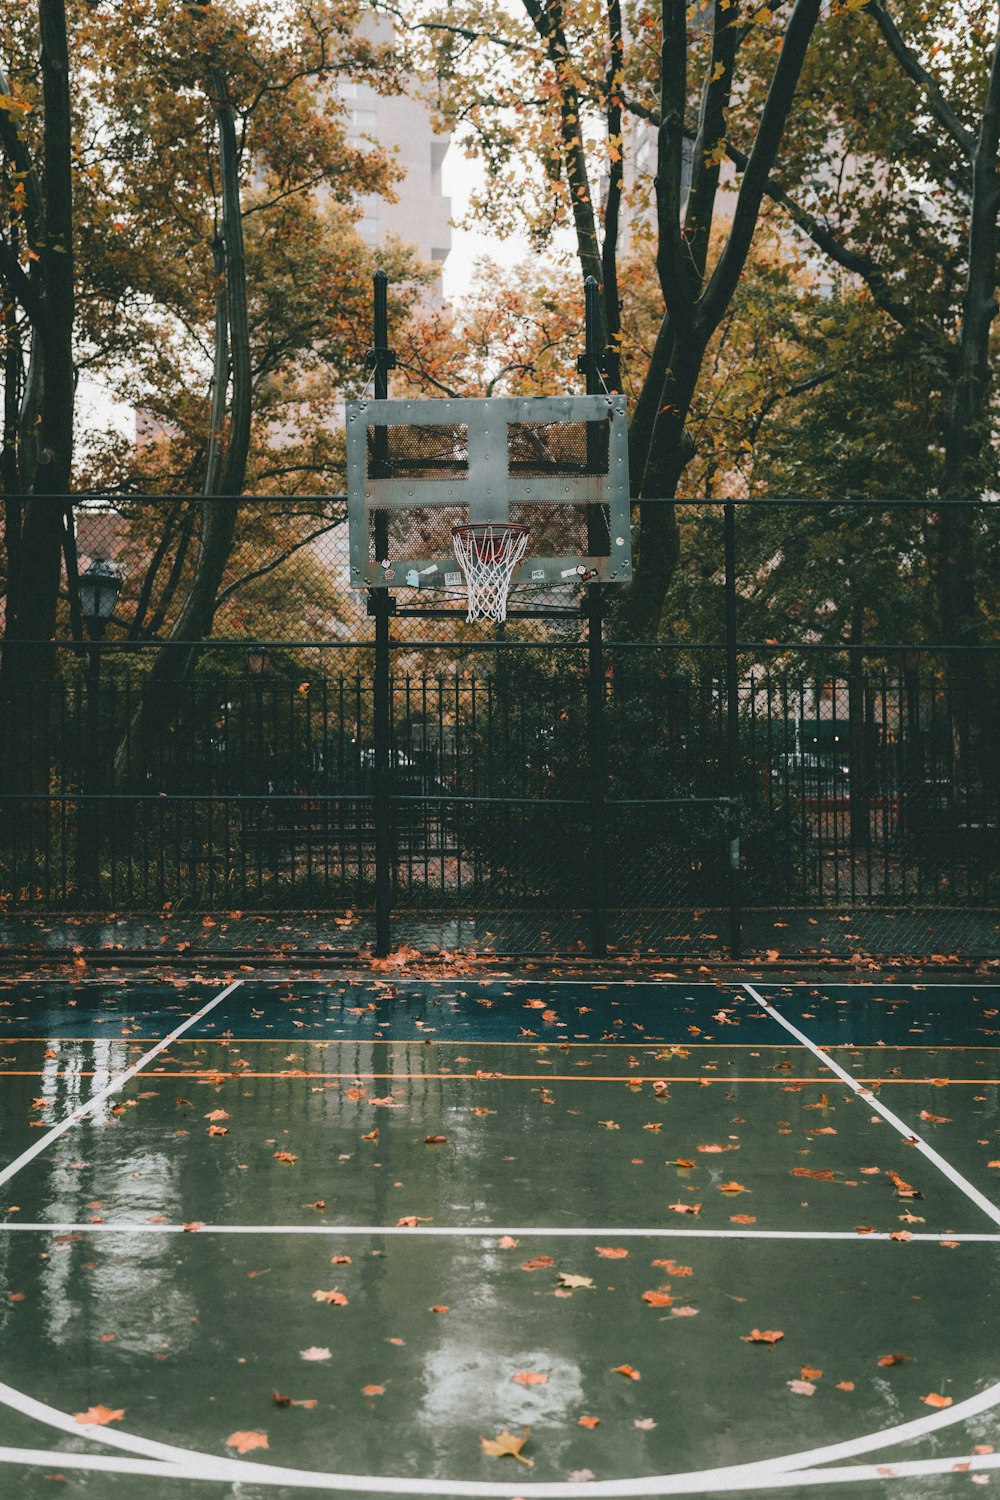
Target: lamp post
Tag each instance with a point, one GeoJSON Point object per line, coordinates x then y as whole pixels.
{"type": "Point", "coordinates": [100, 586]}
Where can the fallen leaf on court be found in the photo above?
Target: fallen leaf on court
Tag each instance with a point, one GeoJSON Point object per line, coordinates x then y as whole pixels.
{"type": "Point", "coordinates": [507, 1242]}
{"type": "Point", "coordinates": [901, 1234]}
{"type": "Point", "coordinates": [762, 1336]}
{"type": "Point", "coordinates": [809, 1373]}
{"type": "Point", "coordinates": [679, 1161]}
{"type": "Point", "coordinates": [657, 1299]}
{"type": "Point", "coordinates": [949, 1244]}
{"type": "Point", "coordinates": [683, 1312]}
{"type": "Point", "coordinates": [285, 1156]}
{"type": "Point", "coordinates": [644, 1424]}
{"type": "Point", "coordinates": [925, 1114]}
{"type": "Point", "coordinates": [319, 1203]}
{"type": "Point", "coordinates": [673, 1269]}
{"type": "Point", "coordinates": [588, 1421]}
{"type": "Point", "coordinates": [821, 1174]}
{"type": "Point", "coordinates": [440, 1307]}
{"type": "Point", "coordinates": [983, 1448]}
{"type": "Point", "coordinates": [506, 1445]}
{"type": "Point", "coordinates": [435, 1140]}
{"type": "Point", "coordinates": [609, 1124]}
{"type": "Point", "coordinates": [993, 1163]}
{"type": "Point", "coordinates": [530, 1377]}
{"type": "Point", "coordinates": [280, 1400]}
{"type": "Point", "coordinates": [245, 1442]}
{"type": "Point", "coordinates": [611, 1252]}
{"type": "Point", "coordinates": [373, 1390]}
{"type": "Point", "coordinates": [933, 1399]}
{"type": "Point", "coordinates": [216, 1114]}
{"type": "Point", "coordinates": [885, 1360]}
{"type": "Point", "coordinates": [732, 1187]}
{"type": "Point", "coordinates": [654, 1125]}
{"type": "Point", "coordinates": [685, 1208]}
{"type": "Point", "coordinates": [712, 1150]}
{"type": "Point", "coordinates": [218, 1130]}
{"type": "Point", "coordinates": [98, 1416]}
{"type": "Point", "coordinates": [627, 1371]}
{"type": "Point", "coordinates": [864, 1229]}
{"type": "Point", "coordinates": [822, 1103]}
{"type": "Point", "coordinates": [340, 1260]}
{"type": "Point", "coordinates": [537, 1263]}
{"type": "Point", "coordinates": [742, 1218]}
{"type": "Point", "coordinates": [801, 1387]}
{"type": "Point", "coordinates": [333, 1298]}
{"type": "Point", "coordinates": [566, 1278]}
{"type": "Point", "coordinates": [845, 1385]}
{"type": "Point", "coordinates": [410, 1221]}
{"type": "Point", "coordinates": [477, 1109]}
{"type": "Point", "coordinates": [371, 1135]}
{"type": "Point", "coordinates": [193, 1226]}
{"type": "Point", "coordinates": [314, 1352]}
{"type": "Point", "coordinates": [580, 1476]}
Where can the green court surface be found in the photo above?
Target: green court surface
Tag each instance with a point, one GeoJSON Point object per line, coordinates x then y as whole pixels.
{"type": "Point", "coordinates": [270, 1238]}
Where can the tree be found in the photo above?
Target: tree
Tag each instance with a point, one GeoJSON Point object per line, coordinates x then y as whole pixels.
{"type": "Point", "coordinates": [540, 96]}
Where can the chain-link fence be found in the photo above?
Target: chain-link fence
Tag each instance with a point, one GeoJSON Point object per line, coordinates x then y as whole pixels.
{"type": "Point", "coordinates": [535, 787]}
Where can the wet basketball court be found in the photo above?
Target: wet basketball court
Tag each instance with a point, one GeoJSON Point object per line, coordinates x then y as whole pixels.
{"type": "Point", "coordinates": [496, 1237]}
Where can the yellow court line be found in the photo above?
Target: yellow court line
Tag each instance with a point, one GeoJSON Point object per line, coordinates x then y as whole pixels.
{"type": "Point", "coordinates": [229, 1074]}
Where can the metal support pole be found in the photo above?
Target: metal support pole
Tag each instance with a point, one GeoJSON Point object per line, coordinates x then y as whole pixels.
{"type": "Point", "coordinates": [733, 737]}
{"type": "Point", "coordinates": [88, 826]}
{"type": "Point", "coordinates": [381, 359]}
{"type": "Point", "coordinates": [598, 768]}
{"type": "Point", "coordinates": [597, 748]}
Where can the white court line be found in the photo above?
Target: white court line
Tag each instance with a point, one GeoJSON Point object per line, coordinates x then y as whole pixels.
{"type": "Point", "coordinates": [491, 1232]}
{"type": "Point", "coordinates": [952, 1173]}
{"type": "Point", "coordinates": [917, 1468]}
{"type": "Point", "coordinates": [776, 1473]}
{"type": "Point", "coordinates": [116, 1083]}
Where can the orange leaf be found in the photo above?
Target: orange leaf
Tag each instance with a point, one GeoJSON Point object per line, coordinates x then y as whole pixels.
{"type": "Point", "coordinates": [762, 1336]}
{"type": "Point", "coordinates": [373, 1390]}
{"type": "Point", "coordinates": [285, 1156]}
{"type": "Point", "coordinates": [245, 1442]}
{"type": "Point", "coordinates": [808, 1373]}
{"type": "Point", "coordinates": [885, 1360]}
{"type": "Point", "coordinates": [611, 1252]}
{"type": "Point", "coordinates": [507, 1242]}
{"type": "Point", "coordinates": [410, 1221]}
{"type": "Point", "coordinates": [435, 1140]}
{"type": "Point", "coordinates": [529, 1377]}
{"type": "Point", "coordinates": [340, 1260]}
{"type": "Point", "coordinates": [732, 1187]}
{"type": "Point", "coordinates": [627, 1371]}
{"type": "Point", "coordinates": [742, 1218]}
{"type": "Point", "coordinates": [933, 1399]}
{"type": "Point", "coordinates": [218, 1130]}
{"type": "Point", "coordinates": [440, 1307]}
{"type": "Point", "coordinates": [845, 1385]}
{"type": "Point", "coordinates": [98, 1416]}
{"type": "Point", "coordinates": [672, 1268]}
{"type": "Point", "coordinates": [588, 1422]}
{"type": "Point", "coordinates": [538, 1263]}
{"type": "Point", "coordinates": [685, 1208]}
{"type": "Point", "coordinates": [332, 1298]}
{"type": "Point", "coordinates": [371, 1135]}
{"type": "Point", "coordinates": [657, 1299]}
{"type": "Point", "coordinates": [217, 1114]}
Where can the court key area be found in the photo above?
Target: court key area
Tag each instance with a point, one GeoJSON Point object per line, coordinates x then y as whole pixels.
{"type": "Point", "coordinates": [378, 1236]}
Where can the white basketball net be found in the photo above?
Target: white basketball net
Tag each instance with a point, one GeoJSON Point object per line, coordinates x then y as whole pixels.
{"type": "Point", "coordinates": [488, 553]}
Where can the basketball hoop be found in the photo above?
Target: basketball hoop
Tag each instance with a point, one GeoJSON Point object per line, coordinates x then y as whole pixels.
{"type": "Point", "coordinates": [487, 553]}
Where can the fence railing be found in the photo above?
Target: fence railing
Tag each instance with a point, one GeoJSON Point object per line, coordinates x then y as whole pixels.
{"type": "Point", "coordinates": [556, 788]}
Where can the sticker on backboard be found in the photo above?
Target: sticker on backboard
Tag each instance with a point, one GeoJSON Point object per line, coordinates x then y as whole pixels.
{"type": "Point", "coordinates": [453, 580]}
{"type": "Point", "coordinates": [538, 575]}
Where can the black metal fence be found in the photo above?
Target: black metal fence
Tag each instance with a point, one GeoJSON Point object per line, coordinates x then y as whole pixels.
{"type": "Point", "coordinates": [534, 787]}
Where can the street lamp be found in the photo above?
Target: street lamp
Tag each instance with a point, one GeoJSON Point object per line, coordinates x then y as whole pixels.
{"type": "Point", "coordinates": [99, 587]}
{"type": "Point", "coordinates": [257, 659]}
{"type": "Point", "coordinates": [99, 590]}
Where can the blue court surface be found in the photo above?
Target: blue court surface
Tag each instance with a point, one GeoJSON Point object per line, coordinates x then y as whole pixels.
{"type": "Point", "coordinates": [377, 1235]}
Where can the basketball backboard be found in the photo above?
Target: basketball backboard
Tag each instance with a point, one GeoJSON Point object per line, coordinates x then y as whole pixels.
{"type": "Point", "coordinates": [557, 465]}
